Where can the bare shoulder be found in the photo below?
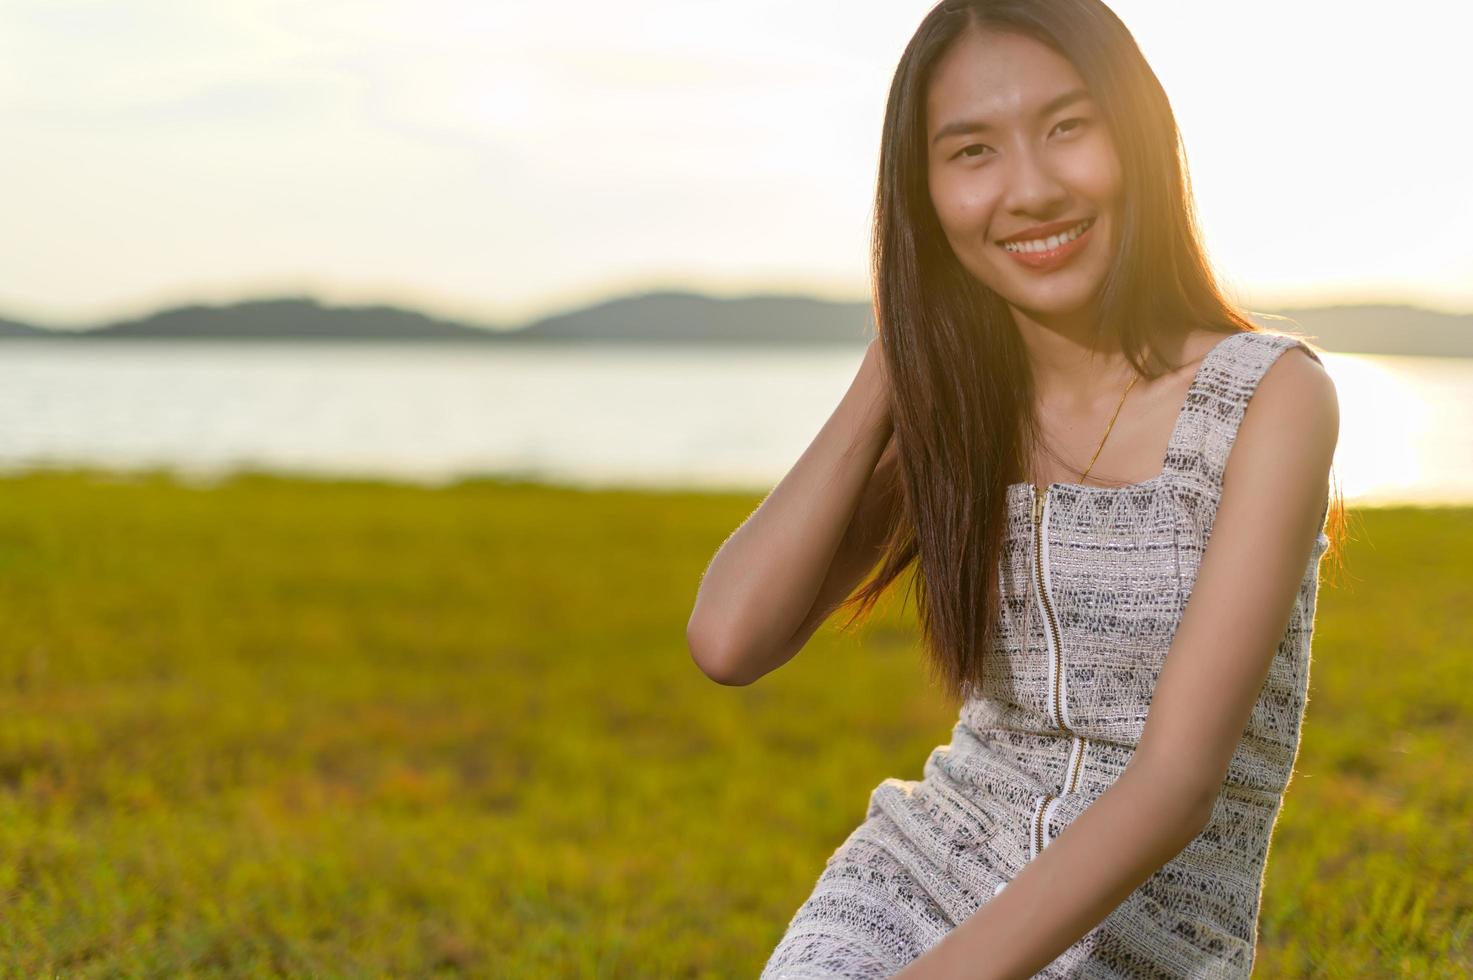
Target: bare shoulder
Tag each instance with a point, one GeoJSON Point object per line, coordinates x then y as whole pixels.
{"type": "Point", "coordinates": [1292, 422]}
{"type": "Point", "coordinates": [1297, 385]}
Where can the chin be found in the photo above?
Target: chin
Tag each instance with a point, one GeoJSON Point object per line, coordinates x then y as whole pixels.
{"type": "Point", "coordinates": [1052, 303]}
{"type": "Point", "coordinates": [1046, 314]}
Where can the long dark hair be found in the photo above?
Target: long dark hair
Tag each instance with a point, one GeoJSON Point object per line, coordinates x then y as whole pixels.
{"type": "Point", "coordinates": [961, 387]}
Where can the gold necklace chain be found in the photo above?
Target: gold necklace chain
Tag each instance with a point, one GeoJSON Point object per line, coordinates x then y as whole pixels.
{"type": "Point", "coordinates": [1118, 405]}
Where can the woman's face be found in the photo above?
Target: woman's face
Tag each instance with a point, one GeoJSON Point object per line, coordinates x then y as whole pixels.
{"type": "Point", "coordinates": [1009, 153]}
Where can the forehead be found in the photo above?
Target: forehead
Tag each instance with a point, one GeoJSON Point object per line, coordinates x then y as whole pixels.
{"type": "Point", "coordinates": [997, 77]}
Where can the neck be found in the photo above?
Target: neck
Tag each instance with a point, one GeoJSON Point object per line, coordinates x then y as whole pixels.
{"type": "Point", "coordinates": [1072, 359]}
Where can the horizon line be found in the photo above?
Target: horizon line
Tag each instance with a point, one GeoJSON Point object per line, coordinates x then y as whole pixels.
{"type": "Point", "coordinates": [406, 305]}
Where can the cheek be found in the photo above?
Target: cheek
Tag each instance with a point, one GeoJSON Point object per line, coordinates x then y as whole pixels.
{"type": "Point", "coordinates": [1098, 171]}
{"type": "Point", "coordinates": [960, 209]}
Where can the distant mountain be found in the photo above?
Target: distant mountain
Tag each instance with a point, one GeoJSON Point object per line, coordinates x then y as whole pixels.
{"type": "Point", "coordinates": [290, 318]}
{"type": "Point", "coordinates": [691, 317]}
{"type": "Point", "coordinates": [1380, 329]}
{"type": "Point", "coordinates": [683, 317]}
{"type": "Point", "coordinates": [11, 328]}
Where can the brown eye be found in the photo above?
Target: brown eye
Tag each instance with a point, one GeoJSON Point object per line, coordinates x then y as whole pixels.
{"type": "Point", "coordinates": [1066, 122]}
{"type": "Point", "coordinates": [972, 146]}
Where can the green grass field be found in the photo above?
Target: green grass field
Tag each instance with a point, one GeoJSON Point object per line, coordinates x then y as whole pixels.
{"type": "Point", "coordinates": [294, 728]}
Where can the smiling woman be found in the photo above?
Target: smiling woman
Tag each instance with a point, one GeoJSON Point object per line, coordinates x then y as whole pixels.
{"type": "Point", "coordinates": [1132, 698]}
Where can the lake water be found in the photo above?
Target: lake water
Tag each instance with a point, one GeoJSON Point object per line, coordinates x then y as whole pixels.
{"type": "Point", "coordinates": [589, 414]}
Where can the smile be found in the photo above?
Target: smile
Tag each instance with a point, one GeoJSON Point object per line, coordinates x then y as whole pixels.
{"type": "Point", "coordinates": [1051, 253]}
{"type": "Point", "coordinates": [1053, 241]}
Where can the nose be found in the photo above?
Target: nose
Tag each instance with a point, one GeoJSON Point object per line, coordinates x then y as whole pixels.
{"type": "Point", "coordinates": [1032, 188]}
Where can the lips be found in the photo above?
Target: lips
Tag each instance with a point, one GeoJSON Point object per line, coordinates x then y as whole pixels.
{"type": "Point", "coordinates": [1040, 232]}
{"type": "Point", "coordinates": [1048, 259]}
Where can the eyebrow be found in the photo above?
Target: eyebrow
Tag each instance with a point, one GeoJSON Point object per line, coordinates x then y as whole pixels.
{"type": "Point", "coordinates": [977, 126]}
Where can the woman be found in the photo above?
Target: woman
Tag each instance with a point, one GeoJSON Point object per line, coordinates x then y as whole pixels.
{"type": "Point", "coordinates": [1059, 412]}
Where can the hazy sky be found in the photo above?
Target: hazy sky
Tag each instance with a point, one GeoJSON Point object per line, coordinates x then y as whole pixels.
{"type": "Point", "coordinates": [498, 160]}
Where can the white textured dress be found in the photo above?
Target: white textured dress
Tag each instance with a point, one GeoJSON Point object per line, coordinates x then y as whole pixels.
{"type": "Point", "coordinates": [1094, 581]}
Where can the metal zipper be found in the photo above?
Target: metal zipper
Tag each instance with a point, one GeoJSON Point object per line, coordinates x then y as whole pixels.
{"type": "Point", "coordinates": [1055, 651]}
{"type": "Point", "coordinates": [1071, 782]}
{"type": "Point", "coordinates": [1040, 825]}
{"type": "Point", "coordinates": [1077, 764]}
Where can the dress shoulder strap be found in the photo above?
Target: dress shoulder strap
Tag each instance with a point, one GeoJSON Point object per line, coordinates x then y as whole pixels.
{"type": "Point", "coordinates": [1218, 398]}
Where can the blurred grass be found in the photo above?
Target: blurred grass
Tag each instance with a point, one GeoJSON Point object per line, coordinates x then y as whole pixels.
{"type": "Point", "coordinates": [306, 728]}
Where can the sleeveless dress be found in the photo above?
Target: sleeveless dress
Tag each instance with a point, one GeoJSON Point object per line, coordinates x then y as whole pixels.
{"type": "Point", "coordinates": [1094, 581]}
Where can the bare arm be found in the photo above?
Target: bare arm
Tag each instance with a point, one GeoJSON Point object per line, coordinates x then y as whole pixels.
{"type": "Point", "coordinates": [775, 580]}
{"type": "Point", "coordinates": [1274, 494]}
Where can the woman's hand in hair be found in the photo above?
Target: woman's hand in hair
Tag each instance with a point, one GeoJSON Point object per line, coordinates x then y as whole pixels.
{"type": "Point", "coordinates": [794, 560]}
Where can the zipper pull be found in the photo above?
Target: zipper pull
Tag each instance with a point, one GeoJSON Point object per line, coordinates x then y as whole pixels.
{"type": "Point", "coordinates": [1038, 505]}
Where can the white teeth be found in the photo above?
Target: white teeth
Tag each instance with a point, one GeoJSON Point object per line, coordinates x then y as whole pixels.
{"type": "Point", "coordinates": [1050, 243]}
